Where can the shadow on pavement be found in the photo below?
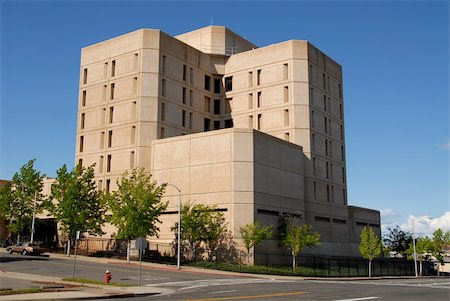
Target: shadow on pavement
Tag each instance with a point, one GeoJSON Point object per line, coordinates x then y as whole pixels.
{"type": "Point", "coordinates": [11, 258]}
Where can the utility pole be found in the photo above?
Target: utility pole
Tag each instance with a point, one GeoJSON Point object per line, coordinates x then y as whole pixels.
{"type": "Point", "coordinates": [34, 217]}
{"type": "Point", "coordinates": [414, 247]}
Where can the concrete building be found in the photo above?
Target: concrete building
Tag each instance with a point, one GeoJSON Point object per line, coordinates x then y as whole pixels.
{"type": "Point", "coordinates": [259, 132]}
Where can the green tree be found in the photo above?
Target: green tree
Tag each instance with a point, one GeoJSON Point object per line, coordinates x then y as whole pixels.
{"type": "Point", "coordinates": [76, 203]}
{"type": "Point", "coordinates": [201, 224]}
{"type": "Point", "coordinates": [441, 239]}
{"type": "Point", "coordinates": [397, 240]}
{"type": "Point", "coordinates": [423, 248]}
{"type": "Point", "coordinates": [17, 198]}
{"type": "Point", "coordinates": [136, 206]}
{"type": "Point", "coordinates": [370, 246]}
{"type": "Point", "coordinates": [297, 237]}
{"type": "Point", "coordinates": [253, 235]}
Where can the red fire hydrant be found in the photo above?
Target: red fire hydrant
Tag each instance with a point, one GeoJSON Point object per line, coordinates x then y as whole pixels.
{"type": "Point", "coordinates": [107, 276]}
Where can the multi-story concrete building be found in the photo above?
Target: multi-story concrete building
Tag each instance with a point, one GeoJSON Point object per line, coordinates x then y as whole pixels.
{"type": "Point", "coordinates": [164, 103]}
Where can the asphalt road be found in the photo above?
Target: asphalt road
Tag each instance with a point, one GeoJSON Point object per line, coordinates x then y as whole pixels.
{"type": "Point", "coordinates": [191, 285]}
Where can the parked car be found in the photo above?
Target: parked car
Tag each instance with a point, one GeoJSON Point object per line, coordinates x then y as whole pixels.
{"type": "Point", "coordinates": [25, 248]}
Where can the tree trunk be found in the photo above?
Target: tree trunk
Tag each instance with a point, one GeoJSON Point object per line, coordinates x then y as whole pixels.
{"type": "Point", "coordinates": [293, 261]}
{"type": "Point", "coordinates": [128, 250]}
{"type": "Point", "coordinates": [68, 247]}
{"type": "Point", "coordinates": [18, 238]}
{"type": "Point", "coordinates": [420, 269]}
{"type": "Point", "coordinates": [248, 257]}
{"type": "Point", "coordinates": [370, 268]}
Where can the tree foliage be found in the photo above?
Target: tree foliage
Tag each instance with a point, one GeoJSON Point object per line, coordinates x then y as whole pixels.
{"type": "Point", "coordinates": [136, 205]}
{"type": "Point", "coordinates": [296, 237]}
{"type": "Point", "coordinates": [17, 198]}
{"type": "Point", "coordinates": [441, 240]}
{"type": "Point", "coordinates": [75, 202]}
{"type": "Point", "coordinates": [201, 224]}
{"type": "Point", "coordinates": [252, 235]}
{"type": "Point", "coordinates": [397, 240]}
{"type": "Point", "coordinates": [424, 247]}
{"type": "Point", "coordinates": [370, 246]}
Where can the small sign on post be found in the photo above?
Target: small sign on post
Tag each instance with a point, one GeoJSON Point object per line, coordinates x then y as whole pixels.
{"type": "Point", "coordinates": [77, 237]}
{"type": "Point", "coordinates": [141, 245]}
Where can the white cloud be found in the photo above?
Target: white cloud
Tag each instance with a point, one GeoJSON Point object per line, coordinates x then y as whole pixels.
{"type": "Point", "coordinates": [389, 219]}
{"type": "Point", "coordinates": [425, 225]}
{"type": "Point", "coordinates": [445, 146]}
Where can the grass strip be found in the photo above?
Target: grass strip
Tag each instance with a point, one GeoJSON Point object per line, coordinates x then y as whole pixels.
{"type": "Point", "coordinates": [90, 281]}
{"type": "Point", "coordinates": [21, 291]}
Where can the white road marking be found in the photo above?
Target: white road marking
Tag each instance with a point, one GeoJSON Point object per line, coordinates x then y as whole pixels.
{"type": "Point", "coordinates": [185, 285]}
{"type": "Point", "coordinates": [221, 292]}
{"type": "Point", "coordinates": [359, 299]}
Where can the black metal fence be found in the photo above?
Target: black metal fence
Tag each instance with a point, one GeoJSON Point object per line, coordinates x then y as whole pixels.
{"type": "Point", "coordinates": [271, 263]}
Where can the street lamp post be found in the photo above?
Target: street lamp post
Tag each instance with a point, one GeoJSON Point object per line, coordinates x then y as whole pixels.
{"type": "Point", "coordinates": [34, 217]}
{"type": "Point", "coordinates": [179, 226]}
{"type": "Point", "coordinates": [414, 249]}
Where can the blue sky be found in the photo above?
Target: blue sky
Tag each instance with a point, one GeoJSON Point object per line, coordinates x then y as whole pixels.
{"type": "Point", "coordinates": [395, 58]}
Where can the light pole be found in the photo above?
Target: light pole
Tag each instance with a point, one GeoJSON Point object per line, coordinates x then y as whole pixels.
{"type": "Point", "coordinates": [414, 248]}
{"type": "Point", "coordinates": [34, 217]}
{"type": "Point", "coordinates": [179, 226]}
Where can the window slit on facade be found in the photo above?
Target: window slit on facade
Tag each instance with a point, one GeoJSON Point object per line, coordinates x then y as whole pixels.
{"type": "Point", "coordinates": [183, 100]}
{"type": "Point", "coordinates": [250, 79]}
{"type": "Point", "coordinates": [217, 85]}
{"type": "Point", "coordinates": [328, 193]}
{"type": "Point", "coordinates": [102, 140]}
{"type": "Point", "coordinates": [190, 120]}
{"type": "Point", "coordinates": [259, 121]}
{"type": "Point", "coordinates": [100, 164]}
{"type": "Point", "coordinates": [112, 91]}
{"type": "Point", "coordinates": [80, 162]}
{"type": "Point", "coordinates": [217, 106]}
{"type": "Point", "coordinates": [163, 88]}
{"type": "Point", "coordinates": [314, 166]}
{"type": "Point", "coordinates": [184, 72]}
{"type": "Point", "coordinates": [207, 104]}
{"type": "Point", "coordinates": [113, 68]}
{"type": "Point", "coordinates": [250, 101]}
{"type": "Point", "coordinates": [110, 134]}
{"type": "Point", "coordinates": [108, 164]}
{"type": "Point", "coordinates": [286, 117]}
{"type": "Point", "coordinates": [164, 62]}
{"type": "Point", "coordinates": [207, 124]}
{"type": "Point", "coordinates": [286, 136]}
{"type": "Point", "coordinates": [82, 120]}
{"type": "Point", "coordinates": [81, 143]}
{"type": "Point", "coordinates": [285, 71]}
{"type": "Point", "coordinates": [228, 83]}
{"type": "Point", "coordinates": [111, 114]}
{"type": "Point", "coordinates": [83, 98]}
{"type": "Point", "coordinates": [258, 77]}
{"type": "Point", "coordinates": [207, 82]}
{"type": "Point", "coordinates": [108, 185]}
{"type": "Point", "coordinates": [85, 75]}
{"type": "Point", "coordinates": [183, 118]}
{"type": "Point", "coordinates": [133, 134]}
{"type": "Point", "coordinates": [250, 121]}
{"type": "Point", "coordinates": [131, 159]}
{"type": "Point", "coordinates": [105, 71]}
{"type": "Point", "coordinates": [286, 94]}
{"type": "Point", "coordinates": [259, 100]}
{"type": "Point", "coordinates": [191, 98]}
{"type": "Point", "coordinates": [163, 111]}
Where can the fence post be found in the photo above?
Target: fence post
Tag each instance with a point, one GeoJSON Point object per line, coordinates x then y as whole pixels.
{"type": "Point", "coordinates": [314, 264]}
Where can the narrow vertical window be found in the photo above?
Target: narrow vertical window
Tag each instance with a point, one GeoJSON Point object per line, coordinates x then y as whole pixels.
{"type": "Point", "coordinates": [331, 149]}
{"type": "Point", "coordinates": [102, 140]}
{"type": "Point", "coordinates": [133, 134]}
{"type": "Point", "coordinates": [327, 170]}
{"type": "Point", "coordinates": [344, 196]}
{"type": "Point", "coordinates": [110, 133]}
{"type": "Point", "coordinates": [328, 193]}
{"type": "Point", "coordinates": [191, 117]}
{"type": "Point", "coordinates": [325, 120]}
{"type": "Point", "coordinates": [191, 76]}
{"type": "Point", "coordinates": [207, 82]}
{"type": "Point", "coordinates": [343, 175]}
{"type": "Point", "coordinates": [80, 162]}
{"type": "Point", "coordinates": [164, 61]}
{"type": "Point", "coordinates": [286, 136]}
{"type": "Point", "coordinates": [184, 96]}
{"type": "Point", "coordinates": [312, 119]}
{"type": "Point", "coordinates": [286, 117]}
{"type": "Point", "coordinates": [286, 94]}
{"type": "Point", "coordinates": [108, 163]}
{"type": "Point", "coordinates": [163, 88]}
{"type": "Point", "coordinates": [82, 121]}
{"type": "Point", "coordinates": [328, 83]}
{"type": "Point", "coordinates": [105, 92]}
{"type": "Point", "coordinates": [313, 142]}
{"type": "Point", "coordinates": [100, 164]}
{"type": "Point", "coordinates": [191, 98]}
{"type": "Point", "coordinates": [342, 153]}
{"type": "Point", "coordinates": [108, 185]}
{"type": "Point", "coordinates": [85, 75]}
{"type": "Point", "coordinates": [342, 132]}
{"type": "Point", "coordinates": [323, 81]}
{"type": "Point", "coordinates": [326, 147]}
{"type": "Point", "coordinates": [162, 134]}
{"type": "Point", "coordinates": [207, 124]}
{"type": "Point", "coordinates": [250, 101]}
{"type": "Point", "coordinates": [315, 190]}
{"type": "Point", "coordinates": [111, 114]}
{"type": "Point", "coordinates": [216, 124]}
{"type": "Point", "coordinates": [135, 86]}
{"type": "Point", "coordinates": [184, 72]}
{"type": "Point", "coordinates": [112, 91]}
{"type": "Point", "coordinates": [113, 68]}
{"type": "Point", "coordinates": [332, 194]}
{"type": "Point", "coordinates": [131, 159]}
{"type": "Point", "coordinates": [324, 102]}
{"type": "Point", "coordinates": [259, 100]}
{"type": "Point", "coordinates": [216, 106]}
{"type": "Point", "coordinates": [163, 111]}
{"type": "Point", "coordinates": [259, 122]}
{"type": "Point", "coordinates": [228, 83]}
{"type": "Point", "coordinates": [340, 111]}
{"type": "Point", "coordinates": [331, 171]}
{"type": "Point", "coordinates": [81, 143]}
{"type": "Point", "coordinates": [104, 116]}
{"type": "Point", "coordinates": [285, 71]}
{"type": "Point", "coordinates": [217, 85]}
{"type": "Point", "coordinates": [207, 104]}
{"type": "Point", "coordinates": [183, 118]}
{"type": "Point", "coordinates": [83, 98]}
{"type": "Point", "coordinates": [250, 79]}
{"type": "Point", "coordinates": [258, 77]}
{"type": "Point", "coordinates": [314, 166]}
{"type": "Point", "coordinates": [340, 91]}
{"type": "Point", "coordinates": [250, 121]}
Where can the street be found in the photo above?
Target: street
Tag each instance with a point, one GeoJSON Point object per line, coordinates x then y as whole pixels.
{"type": "Point", "coordinates": [194, 284]}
